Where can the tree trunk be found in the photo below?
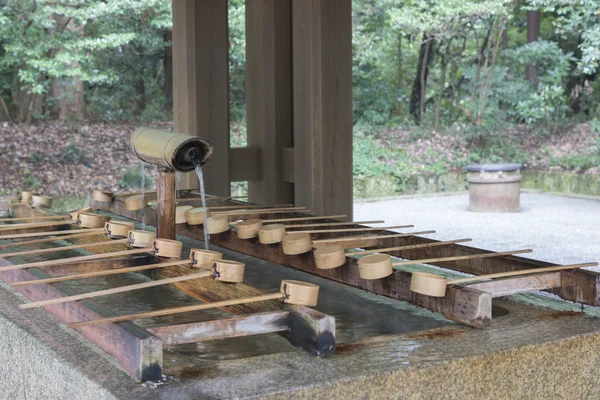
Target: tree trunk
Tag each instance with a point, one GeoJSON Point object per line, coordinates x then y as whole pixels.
{"type": "Point", "coordinates": [168, 68]}
{"type": "Point", "coordinates": [69, 92]}
{"type": "Point", "coordinates": [533, 33]}
{"type": "Point", "coordinates": [417, 97]}
{"type": "Point", "coordinates": [399, 76]}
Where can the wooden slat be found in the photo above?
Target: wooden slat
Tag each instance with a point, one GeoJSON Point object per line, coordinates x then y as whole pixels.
{"type": "Point", "coordinates": [223, 328]}
{"type": "Point", "coordinates": [523, 284]}
{"type": "Point", "coordinates": [137, 351]}
{"type": "Point", "coordinates": [201, 84]}
{"type": "Point", "coordinates": [322, 101]}
{"type": "Point", "coordinates": [269, 95]}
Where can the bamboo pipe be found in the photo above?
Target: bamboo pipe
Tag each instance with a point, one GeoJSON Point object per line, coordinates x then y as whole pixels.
{"type": "Point", "coordinates": [120, 289]}
{"type": "Point", "coordinates": [101, 273]}
{"type": "Point", "coordinates": [377, 266]}
{"type": "Point", "coordinates": [74, 260]}
{"type": "Point", "coordinates": [435, 285]}
{"type": "Point", "coordinates": [292, 292]}
{"type": "Point", "coordinates": [35, 218]}
{"type": "Point", "coordinates": [355, 229]}
{"type": "Point", "coordinates": [52, 239]}
{"type": "Point", "coordinates": [49, 233]}
{"type": "Point", "coordinates": [348, 238]}
{"type": "Point", "coordinates": [55, 249]}
{"type": "Point", "coordinates": [333, 256]}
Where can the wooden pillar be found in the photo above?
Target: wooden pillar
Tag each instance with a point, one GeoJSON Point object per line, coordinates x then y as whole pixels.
{"type": "Point", "coordinates": [201, 85]}
{"type": "Point", "coordinates": [165, 204]}
{"type": "Point", "coordinates": [269, 96]}
{"type": "Point", "coordinates": [322, 100]}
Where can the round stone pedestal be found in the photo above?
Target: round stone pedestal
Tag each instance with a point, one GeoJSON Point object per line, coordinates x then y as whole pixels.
{"type": "Point", "coordinates": [494, 187]}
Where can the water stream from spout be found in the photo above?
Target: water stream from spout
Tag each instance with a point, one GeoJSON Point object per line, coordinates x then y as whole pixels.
{"type": "Point", "coordinates": [203, 197]}
{"type": "Point", "coordinates": [143, 173]}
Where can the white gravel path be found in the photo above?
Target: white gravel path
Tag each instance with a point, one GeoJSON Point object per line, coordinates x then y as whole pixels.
{"type": "Point", "coordinates": [559, 229]}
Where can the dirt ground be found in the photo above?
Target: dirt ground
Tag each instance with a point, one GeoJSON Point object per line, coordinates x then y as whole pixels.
{"type": "Point", "coordinates": [62, 159]}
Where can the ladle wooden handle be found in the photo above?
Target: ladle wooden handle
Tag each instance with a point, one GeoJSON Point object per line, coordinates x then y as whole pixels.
{"type": "Point", "coordinates": [269, 221]}
{"type": "Point", "coordinates": [116, 290]}
{"type": "Point", "coordinates": [356, 229]}
{"type": "Point", "coordinates": [12, 204]}
{"type": "Point", "coordinates": [50, 233]}
{"type": "Point", "coordinates": [51, 239]}
{"type": "Point", "coordinates": [199, 200]}
{"type": "Point", "coordinates": [63, 248]}
{"type": "Point", "coordinates": [260, 211]}
{"type": "Point", "coordinates": [410, 247]}
{"type": "Point", "coordinates": [178, 310]}
{"type": "Point", "coordinates": [351, 238]}
{"type": "Point", "coordinates": [457, 258]}
{"type": "Point", "coordinates": [334, 224]}
{"type": "Point", "coordinates": [244, 207]}
{"type": "Point", "coordinates": [101, 273]}
{"type": "Point", "coordinates": [77, 259]}
{"type": "Point", "coordinates": [35, 218]}
{"type": "Point", "coordinates": [30, 225]}
{"type": "Point", "coordinates": [521, 272]}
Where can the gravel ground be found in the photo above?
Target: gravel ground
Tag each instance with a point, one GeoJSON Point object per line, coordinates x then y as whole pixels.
{"type": "Point", "coordinates": [559, 229]}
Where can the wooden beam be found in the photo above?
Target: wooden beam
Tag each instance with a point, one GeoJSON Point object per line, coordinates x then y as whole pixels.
{"type": "Point", "coordinates": [201, 84]}
{"type": "Point", "coordinates": [322, 99]}
{"type": "Point", "coordinates": [269, 95]}
{"type": "Point", "coordinates": [245, 164]}
{"type": "Point", "coordinates": [311, 330]}
{"type": "Point", "coordinates": [523, 284]}
{"type": "Point", "coordinates": [137, 351]}
{"type": "Point", "coordinates": [223, 328]}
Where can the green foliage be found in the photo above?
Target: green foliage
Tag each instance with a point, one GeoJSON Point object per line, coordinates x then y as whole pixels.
{"type": "Point", "coordinates": [71, 154]}
{"type": "Point", "coordinates": [30, 182]}
{"type": "Point", "coordinates": [112, 46]}
{"type": "Point", "coordinates": [132, 179]}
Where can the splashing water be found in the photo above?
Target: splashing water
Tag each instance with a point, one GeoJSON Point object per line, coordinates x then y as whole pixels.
{"type": "Point", "coordinates": [143, 173]}
{"type": "Point", "coordinates": [203, 196]}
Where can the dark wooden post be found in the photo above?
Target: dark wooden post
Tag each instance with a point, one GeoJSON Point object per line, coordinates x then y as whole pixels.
{"type": "Point", "coordinates": [165, 204]}
{"type": "Point", "coordinates": [201, 84]}
{"type": "Point", "coordinates": [269, 96]}
{"type": "Point", "coordinates": [322, 99]}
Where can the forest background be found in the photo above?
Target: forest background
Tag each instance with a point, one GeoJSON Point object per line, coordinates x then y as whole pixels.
{"type": "Point", "coordinates": [438, 84]}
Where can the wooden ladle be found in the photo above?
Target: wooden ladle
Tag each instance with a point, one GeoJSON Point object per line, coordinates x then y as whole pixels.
{"type": "Point", "coordinates": [435, 285]}
{"type": "Point", "coordinates": [270, 233]}
{"type": "Point", "coordinates": [378, 266]}
{"type": "Point", "coordinates": [250, 228]}
{"type": "Point", "coordinates": [333, 256]}
{"type": "Point", "coordinates": [291, 292]}
{"type": "Point", "coordinates": [159, 247]}
{"type": "Point", "coordinates": [223, 270]}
